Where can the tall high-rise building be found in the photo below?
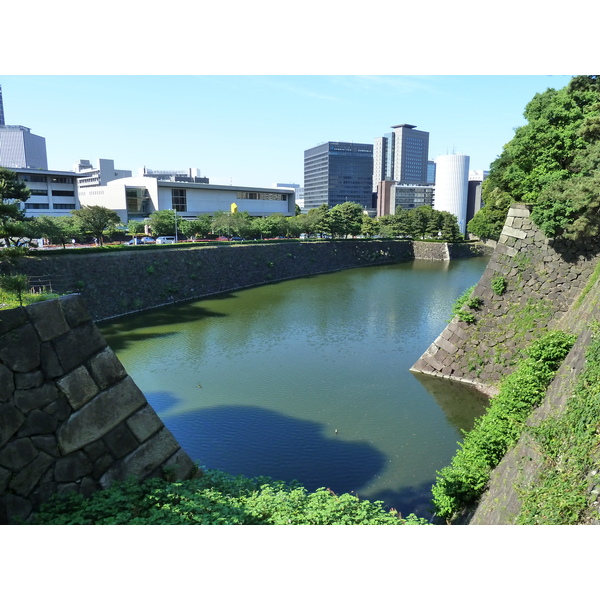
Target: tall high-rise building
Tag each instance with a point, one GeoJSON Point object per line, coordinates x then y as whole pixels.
{"type": "Point", "coordinates": [401, 156]}
{"type": "Point", "coordinates": [452, 186]}
{"type": "Point", "coordinates": [2, 121]}
{"type": "Point", "coordinates": [338, 172]}
{"type": "Point", "coordinates": [19, 148]}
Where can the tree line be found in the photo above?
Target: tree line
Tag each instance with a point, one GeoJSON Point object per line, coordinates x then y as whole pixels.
{"type": "Point", "coordinates": [340, 221]}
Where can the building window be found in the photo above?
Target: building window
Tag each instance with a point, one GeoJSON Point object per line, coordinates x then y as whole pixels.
{"type": "Point", "coordinates": [178, 199]}
{"type": "Point", "coordinates": [63, 206]}
{"type": "Point", "coordinates": [63, 193]}
{"type": "Point", "coordinates": [37, 206]}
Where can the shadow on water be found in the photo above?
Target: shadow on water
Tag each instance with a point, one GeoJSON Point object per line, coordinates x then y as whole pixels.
{"type": "Point", "coordinates": [252, 441]}
{"type": "Point", "coordinates": [125, 331]}
{"type": "Point", "coordinates": [461, 403]}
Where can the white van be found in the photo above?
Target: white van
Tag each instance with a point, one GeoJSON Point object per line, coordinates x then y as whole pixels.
{"type": "Point", "coordinates": [165, 239]}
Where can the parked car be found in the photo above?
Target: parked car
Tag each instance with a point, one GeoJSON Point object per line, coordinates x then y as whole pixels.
{"type": "Point", "coordinates": [165, 239]}
{"type": "Point", "coordinates": [148, 240]}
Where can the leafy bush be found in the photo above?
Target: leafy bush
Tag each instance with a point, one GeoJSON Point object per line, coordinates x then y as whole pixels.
{"type": "Point", "coordinates": [216, 499]}
{"type": "Point", "coordinates": [483, 447]}
{"type": "Point", "coordinates": [499, 285]}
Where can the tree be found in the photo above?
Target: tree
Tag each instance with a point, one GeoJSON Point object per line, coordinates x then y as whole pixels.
{"type": "Point", "coordinates": [59, 230]}
{"type": "Point", "coordinates": [562, 125]}
{"type": "Point", "coordinates": [488, 222]}
{"type": "Point", "coordinates": [96, 220]}
{"type": "Point", "coordinates": [201, 226]}
{"type": "Point", "coordinates": [369, 226]}
{"type": "Point", "coordinates": [424, 222]}
{"type": "Point", "coordinates": [164, 222]}
{"type": "Point", "coordinates": [345, 219]}
{"type": "Point", "coordinates": [449, 228]}
{"type": "Point", "coordinates": [13, 222]}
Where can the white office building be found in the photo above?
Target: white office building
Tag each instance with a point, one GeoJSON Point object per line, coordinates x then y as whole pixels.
{"type": "Point", "coordinates": [52, 193]}
{"type": "Point", "coordinates": [135, 198]}
{"type": "Point", "coordinates": [452, 185]}
{"type": "Point", "coordinates": [95, 176]}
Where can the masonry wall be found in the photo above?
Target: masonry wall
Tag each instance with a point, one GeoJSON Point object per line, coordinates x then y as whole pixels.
{"type": "Point", "coordinates": [543, 278]}
{"type": "Point", "coordinates": [116, 283]}
{"type": "Point", "coordinates": [71, 419]}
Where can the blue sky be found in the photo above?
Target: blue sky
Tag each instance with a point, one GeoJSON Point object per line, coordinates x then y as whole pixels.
{"type": "Point", "coordinates": [253, 129]}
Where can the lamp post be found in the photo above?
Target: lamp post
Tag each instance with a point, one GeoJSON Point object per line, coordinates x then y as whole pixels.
{"type": "Point", "coordinates": [175, 211]}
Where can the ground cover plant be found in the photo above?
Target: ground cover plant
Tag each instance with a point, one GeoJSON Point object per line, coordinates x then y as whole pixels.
{"type": "Point", "coordinates": [216, 498]}
{"type": "Point", "coordinates": [570, 447]}
{"type": "Point", "coordinates": [462, 482]}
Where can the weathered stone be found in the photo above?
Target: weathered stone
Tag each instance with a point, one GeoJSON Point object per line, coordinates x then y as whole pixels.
{"type": "Point", "coordinates": [60, 409]}
{"type": "Point", "coordinates": [88, 486]}
{"type": "Point", "coordinates": [20, 349]}
{"type": "Point", "coordinates": [48, 319]}
{"type": "Point", "coordinates": [72, 467]}
{"type": "Point", "coordinates": [106, 368]}
{"type": "Point", "coordinates": [11, 420]}
{"type": "Point", "coordinates": [95, 450]}
{"type": "Point", "coordinates": [46, 443]}
{"type": "Point", "coordinates": [180, 466]}
{"type": "Point", "coordinates": [78, 386]}
{"type": "Point", "coordinates": [26, 381]}
{"type": "Point", "coordinates": [15, 509]}
{"type": "Point", "coordinates": [24, 482]}
{"type": "Point", "coordinates": [74, 309]}
{"type": "Point", "coordinates": [512, 232]}
{"type": "Point", "coordinates": [140, 463]}
{"type": "Point", "coordinates": [5, 475]}
{"type": "Point", "coordinates": [78, 345]}
{"type": "Point", "coordinates": [38, 423]}
{"type": "Point", "coordinates": [17, 454]}
{"type": "Point", "coordinates": [28, 400]}
{"type": "Point", "coordinates": [12, 319]}
{"type": "Point", "coordinates": [120, 441]}
{"type": "Point", "coordinates": [7, 385]}
{"type": "Point", "coordinates": [144, 423]}
{"type": "Point", "coordinates": [51, 366]}
{"type": "Point", "coordinates": [100, 415]}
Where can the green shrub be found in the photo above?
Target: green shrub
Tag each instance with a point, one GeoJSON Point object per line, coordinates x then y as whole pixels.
{"type": "Point", "coordinates": [461, 483]}
{"type": "Point", "coordinates": [216, 499]}
{"type": "Point", "coordinates": [499, 285]}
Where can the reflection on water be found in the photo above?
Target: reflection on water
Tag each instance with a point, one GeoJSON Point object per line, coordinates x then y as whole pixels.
{"type": "Point", "coordinates": [309, 379]}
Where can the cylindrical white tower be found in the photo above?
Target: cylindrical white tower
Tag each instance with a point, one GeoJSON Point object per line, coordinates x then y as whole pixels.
{"type": "Point", "coordinates": [452, 186]}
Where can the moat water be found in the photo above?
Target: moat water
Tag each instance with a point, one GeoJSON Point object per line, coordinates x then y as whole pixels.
{"type": "Point", "coordinates": [309, 379]}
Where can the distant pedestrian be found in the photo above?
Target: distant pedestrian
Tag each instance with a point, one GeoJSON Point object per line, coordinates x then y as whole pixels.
{"type": "Point", "coordinates": [73, 242]}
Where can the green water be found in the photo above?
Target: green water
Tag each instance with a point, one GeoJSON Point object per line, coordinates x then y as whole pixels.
{"type": "Point", "coordinates": [308, 379]}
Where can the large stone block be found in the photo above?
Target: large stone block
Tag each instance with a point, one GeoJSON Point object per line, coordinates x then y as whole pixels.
{"type": "Point", "coordinates": [28, 400]}
{"type": "Point", "coordinates": [78, 386]}
{"type": "Point", "coordinates": [26, 480]}
{"type": "Point", "coordinates": [140, 463]}
{"type": "Point", "coordinates": [120, 441]}
{"type": "Point", "coordinates": [106, 368]}
{"type": "Point", "coordinates": [78, 345]}
{"type": "Point", "coordinates": [48, 319]}
{"type": "Point", "coordinates": [100, 415]}
{"type": "Point", "coordinates": [17, 454]}
{"type": "Point", "coordinates": [7, 384]}
{"type": "Point", "coordinates": [38, 423]}
{"type": "Point", "coordinates": [144, 423]}
{"type": "Point", "coordinates": [12, 319]}
{"type": "Point", "coordinates": [20, 349]}
{"type": "Point", "coordinates": [11, 420]}
{"type": "Point", "coordinates": [72, 467]}
{"type": "Point", "coordinates": [74, 309]}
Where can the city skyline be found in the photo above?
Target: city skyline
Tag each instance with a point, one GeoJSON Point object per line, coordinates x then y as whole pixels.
{"type": "Point", "coordinates": [253, 130]}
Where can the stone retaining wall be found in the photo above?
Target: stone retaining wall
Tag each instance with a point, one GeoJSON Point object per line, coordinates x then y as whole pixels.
{"type": "Point", "coordinates": [543, 277]}
{"type": "Point", "coordinates": [71, 419]}
{"type": "Point", "coordinates": [123, 282]}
